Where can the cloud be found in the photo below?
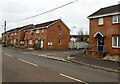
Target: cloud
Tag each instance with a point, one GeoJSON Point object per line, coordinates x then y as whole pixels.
{"type": "Point", "coordinates": [73, 15]}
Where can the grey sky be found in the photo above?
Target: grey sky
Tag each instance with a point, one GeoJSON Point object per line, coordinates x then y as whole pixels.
{"type": "Point", "coordinates": [73, 15]}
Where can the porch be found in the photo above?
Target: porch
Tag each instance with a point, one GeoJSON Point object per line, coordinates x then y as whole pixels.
{"type": "Point", "coordinates": [93, 51]}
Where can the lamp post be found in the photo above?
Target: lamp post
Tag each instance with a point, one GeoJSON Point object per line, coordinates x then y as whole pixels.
{"type": "Point", "coordinates": [73, 37]}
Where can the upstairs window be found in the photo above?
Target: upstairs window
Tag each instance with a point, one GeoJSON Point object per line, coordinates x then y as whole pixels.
{"type": "Point", "coordinates": [37, 31]}
{"type": "Point", "coordinates": [100, 21]}
{"type": "Point", "coordinates": [42, 30]}
{"type": "Point", "coordinates": [15, 33]}
{"type": "Point", "coordinates": [116, 19]}
{"type": "Point", "coordinates": [60, 31]}
{"type": "Point", "coordinates": [31, 32]}
{"type": "Point", "coordinates": [116, 41]}
{"type": "Point", "coordinates": [59, 26]}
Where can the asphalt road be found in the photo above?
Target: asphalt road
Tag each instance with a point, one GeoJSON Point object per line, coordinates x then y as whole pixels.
{"type": "Point", "coordinates": [0, 64]}
{"type": "Point", "coordinates": [15, 70]}
{"type": "Point", "coordinates": [25, 69]}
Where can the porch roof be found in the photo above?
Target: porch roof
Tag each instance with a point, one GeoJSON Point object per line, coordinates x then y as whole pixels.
{"type": "Point", "coordinates": [98, 33]}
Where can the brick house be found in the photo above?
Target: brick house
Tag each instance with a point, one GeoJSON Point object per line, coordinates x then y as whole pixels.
{"type": "Point", "coordinates": [15, 37]}
{"type": "Point", "coordinates": [52, 35]}
{"type": "Point", "coordinates": [105, 30]}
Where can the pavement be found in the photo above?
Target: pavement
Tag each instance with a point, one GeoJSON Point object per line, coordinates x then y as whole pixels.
{"type": "Point", "coordinates": [99, 63]}
{"type": "Point", "coordinates": [76, 56]}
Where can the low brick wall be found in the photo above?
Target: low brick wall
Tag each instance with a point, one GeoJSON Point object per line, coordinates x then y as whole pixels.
{"type": "Point", "coordinates": [96, 54]}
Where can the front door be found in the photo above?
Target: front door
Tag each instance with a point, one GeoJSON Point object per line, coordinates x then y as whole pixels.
{"type": "Point", "coordinates": [42, 43]}
{"type": "Point", "coordinates": [100, 43]}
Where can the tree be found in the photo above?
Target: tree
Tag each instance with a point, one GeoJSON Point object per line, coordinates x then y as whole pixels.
{"type": "Point", "coordinates": [81, 33]}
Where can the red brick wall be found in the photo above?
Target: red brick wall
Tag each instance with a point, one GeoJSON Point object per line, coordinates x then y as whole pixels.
{"type": "Point", "coordinates": [54, 36]}
{"type": "Point", "coordinates": [107, 29]}
{"type": "Point", "coordinates": [51, 35]}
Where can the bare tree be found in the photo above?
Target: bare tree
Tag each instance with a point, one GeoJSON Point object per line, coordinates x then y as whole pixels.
{"type": "Point", "coordinates": [81, 33]}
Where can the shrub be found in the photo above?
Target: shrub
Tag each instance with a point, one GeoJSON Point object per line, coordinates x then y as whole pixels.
{"type": "Point", "coordinates": [37, 46]}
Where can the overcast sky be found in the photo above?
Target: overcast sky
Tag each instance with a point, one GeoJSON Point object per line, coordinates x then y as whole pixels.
{"type": "Point", "coordinates": [72, 15]}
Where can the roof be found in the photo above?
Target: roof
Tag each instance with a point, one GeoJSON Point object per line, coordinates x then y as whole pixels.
{"type": "Point", "coordinates": [19, 28]}
{"type": "Point", "coordinates": [107, 10]}
{"type": "Point", "coordinates": [98, 33]}
{"type": "Point", "coordinates": [78, 36]}
{"type": "Point", "coordinates": [45, 24]}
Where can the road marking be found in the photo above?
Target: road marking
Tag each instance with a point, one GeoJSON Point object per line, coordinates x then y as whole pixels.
{"type": "Point", "coordinates": [72, 78]}
{"type": "Point", "coordinates": [8, 55]}
{"type": "Point", "coordinates": [28, 62]}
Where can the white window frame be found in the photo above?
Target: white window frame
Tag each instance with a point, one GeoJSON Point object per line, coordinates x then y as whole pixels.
{"type": "Point", "coordinates": [14, 40]}
{"type": "Point", "coordinates": [15, 33]}
{"type": "Point", "coordinates": [49, 43]}
{"type": "Point", "coordinates": [30, 41]}
{"type": "Point", "coordinates": [37, 31]}
{"type": "Point", "coordinates": [117, 42]}
{"type": "Point", "coordinates": [59, 42]}
{"type": "Point", "coordinates": [100, 21]}
{"type": "Point", "coordinates": [117, 19]}
{"type": "Point", "coordinates": [31, 32]}
{"type": "Point", "coordinates": [60, 31]}
{"type": "Point", "coordinates": [42, 30]}
{"type": "Point", "coordinates": [36, 41]}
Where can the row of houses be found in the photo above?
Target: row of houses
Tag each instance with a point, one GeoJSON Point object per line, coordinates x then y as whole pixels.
{"type": "Point", "coordinates": [104, 35]}
{"type": "Point", "coordinates": [51, 35]}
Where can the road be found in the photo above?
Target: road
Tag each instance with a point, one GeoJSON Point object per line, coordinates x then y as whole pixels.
{"type": "Point", "coordinates": [25, 67]}
{"type": "Point", "coordinates": [0, 64]}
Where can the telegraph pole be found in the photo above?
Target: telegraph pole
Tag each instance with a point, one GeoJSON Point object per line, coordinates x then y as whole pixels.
{"type": "Point", "coordinates": [5, 33]}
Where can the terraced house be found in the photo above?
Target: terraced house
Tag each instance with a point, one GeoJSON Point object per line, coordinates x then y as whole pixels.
{"type": "Point", "coordinates": [105, 30]}
{"type": "Point", "coordinates": [51, 35]}
{"type": "Point", "coordinates": [15, 37]}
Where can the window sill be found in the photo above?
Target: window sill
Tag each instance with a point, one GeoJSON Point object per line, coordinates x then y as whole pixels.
{"type": "Point", "coordinates": [115, 23]}
{"type": "Point", "coordinates": [115, 47]}
{"type": "Point", "coordinates": [100, 24]}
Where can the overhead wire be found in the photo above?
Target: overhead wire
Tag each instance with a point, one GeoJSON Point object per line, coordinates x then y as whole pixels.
{"type": "Point", "coordinates": [44, 12]}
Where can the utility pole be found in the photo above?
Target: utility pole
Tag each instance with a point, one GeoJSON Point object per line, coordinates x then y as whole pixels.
{"type": "Point", "coordinates": [73, 37]}
{"type": "Point", "coordinates": [5, 33]}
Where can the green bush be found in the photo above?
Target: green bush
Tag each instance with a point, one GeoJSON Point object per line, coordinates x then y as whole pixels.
{"type": "Point", "coordinates": [10, 45]}
{"type": "Point", "coordinates": [37, 46]}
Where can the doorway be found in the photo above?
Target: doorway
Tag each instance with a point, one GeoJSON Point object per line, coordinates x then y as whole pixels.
{"type": "Point", "coordinates": [100, 43]}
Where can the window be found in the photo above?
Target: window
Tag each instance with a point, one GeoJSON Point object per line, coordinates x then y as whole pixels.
{"type": "Point", "coordinates": [31, 32]}
{"type": "Point", "coordinates": [59, 26]}
{"type": "Point", "coordinates": [42, 30]}
{"type": "Point", "coordinates": [59, 42]}
{"type": "Point", "coordinates": [15, 33]}
{"type": "Point", "coordinates": [21, 42]}
{"type": "Point", "coordinates": [11, 41]}
{"type": "Point", "coordinates": [49, 43]}
{"type": "Point", "coordinates": [37, 31]}
{"type": "Point", "coordinates": [119, 41]}
{"type": "Point", "coordinates": [14, 40]}
{"type": "Point", "coordinates": [116, 19]}
{"type": "Point", "coordinates": [60, 31]}
{"type": "Point", "coordinates": [36, 41]}
{"type": "Point", "coordinates": [116, 41]}
{"type": "Point", "coordinates": [30, 41]}
{"type": "Point", "coordinates": [100, 21]}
